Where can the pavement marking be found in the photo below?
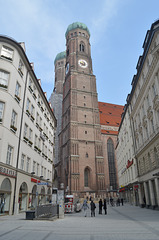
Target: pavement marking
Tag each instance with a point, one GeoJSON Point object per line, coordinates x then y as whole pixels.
{"type": "Point", "coordinates": [3, 234]}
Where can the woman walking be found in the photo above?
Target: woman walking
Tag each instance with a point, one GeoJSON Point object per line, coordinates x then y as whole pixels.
{"type": "Point", "coordinates": [85, 206]}
{"type": "Point", "coordinates": [105, 206]}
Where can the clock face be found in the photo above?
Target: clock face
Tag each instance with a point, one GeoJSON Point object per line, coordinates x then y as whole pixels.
{"type": "Point", "coordinates": [67, 68]}
{"type": "Point", "coordinates": [82, 63]}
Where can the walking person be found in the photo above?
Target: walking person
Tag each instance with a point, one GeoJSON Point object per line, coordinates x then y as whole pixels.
{"type": "Point", "coordinates": [105, 206]}
{"type": "Point", "coordinates": [93, 207]}
{"type": "Point", "coordinates": [122, 201]}
{"type": "Point", "coordinates": [85, 206]}
{"type": "Point", "coordinates": [100, 206]}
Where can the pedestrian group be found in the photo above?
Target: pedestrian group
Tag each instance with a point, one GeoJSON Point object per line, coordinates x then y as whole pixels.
{"type": "Point", "coordinates": [102, 205]}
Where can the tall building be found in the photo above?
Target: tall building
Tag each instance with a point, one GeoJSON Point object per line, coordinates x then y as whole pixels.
{"type": "Point", "coordinates": [143, 105]}
{"type": "Point", "coordinates": [27, 125]}
{"type": "Point", "coordinates": [81, 155]}
{"type": "Point", "coordinates": [56, 103]}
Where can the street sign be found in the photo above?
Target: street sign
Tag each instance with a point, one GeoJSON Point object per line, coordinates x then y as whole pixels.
{"type": "Point", "coordinates": [42, 183]}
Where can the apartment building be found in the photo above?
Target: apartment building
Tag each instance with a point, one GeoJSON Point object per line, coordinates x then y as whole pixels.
{"type": "Point", "coordinates": [27, 127]}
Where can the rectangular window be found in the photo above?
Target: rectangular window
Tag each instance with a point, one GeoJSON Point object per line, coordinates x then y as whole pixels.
{"type": "Point", "coordinates": [32, 110]}
{"type": "Point", "coordinates": [27, 164]}
{"type": "Point", "coordinates": [44, 172]}
{"type": "Point", "coordinates": [37, 172]}
{"type": "Point", "coordinates": [20, 68]}
{"type": "Point", "coordinates": [34, 164]}
{"type": "Point", "coordinates": [14, 118]}
{"type": "Point", "coordinates": [36, 140]}
{"type": "Point", "coordinates": [1, 111]}
{"type": "Point", "coordinates": [25, 130]}
{"type": "Point", "coordinates": [28, 105]}
{"type": "Point", "coordinates": [7, 53]}
{"type": "Point", "coordinates": [17, 90]}
{"type": "Point", "coordinates": [22, 161]}
{"type": "Point", "coordinates": [9, 154]}
{"type": "Point", "coordinates": [4, 77]}
{"type": "Point", "coordinates": [30, 134]}
{"type": "Point", "coordinates": [42, 168]}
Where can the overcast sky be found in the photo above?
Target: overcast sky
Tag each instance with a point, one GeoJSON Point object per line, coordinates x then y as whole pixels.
{"type": "Point", "coordinates": [118, 29]}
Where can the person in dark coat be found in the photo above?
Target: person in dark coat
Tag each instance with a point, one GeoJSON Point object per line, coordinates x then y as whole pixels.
{"type": "Point", "coordinates": [100, 206]}
{"type": "Point", "coordinates": [105, 206]}
{"type": "Point", "coordinates": [93, 207]}
{"type": "Point", "coordinates": [122, 201]}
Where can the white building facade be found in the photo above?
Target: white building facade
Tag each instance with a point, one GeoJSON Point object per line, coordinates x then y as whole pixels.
{"type": "Point", "coordinates": [143, 103]}
{"type": "Point", "coordinates": [126, 161]}
{"type": "Point", "coordinates": [27, 126]}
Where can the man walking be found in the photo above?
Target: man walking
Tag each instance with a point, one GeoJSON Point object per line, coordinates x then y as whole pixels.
{"type": "Point", "coordinates": [105, 206]}
{"type": "Point", "coordinates": [93, 207]}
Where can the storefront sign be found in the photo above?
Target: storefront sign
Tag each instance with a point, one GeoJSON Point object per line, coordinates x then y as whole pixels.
{"type": "Point", "coordinates": [129, 163]}
{"type": "Point", "coordinates": [34, 180]}
{"type": "Point", "coordinates": [7, 172]}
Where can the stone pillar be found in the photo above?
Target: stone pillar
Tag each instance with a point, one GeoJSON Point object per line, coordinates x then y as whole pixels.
{"type": "Point", "coordinates": [152, 196]}
{"type": "Point", "coordinates": [141, 202]}
{"type": "Point", "coordinates": [146, 194]}
{"type": "Point", "coordinates": [157, 190]}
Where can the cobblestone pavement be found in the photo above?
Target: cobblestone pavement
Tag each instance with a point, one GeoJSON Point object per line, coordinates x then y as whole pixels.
{"type": "Point", "coordinates": [121, 223]}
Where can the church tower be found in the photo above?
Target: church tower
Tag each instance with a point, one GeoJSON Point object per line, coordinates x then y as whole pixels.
{"type": "Point", "coordinates": [82, 163]}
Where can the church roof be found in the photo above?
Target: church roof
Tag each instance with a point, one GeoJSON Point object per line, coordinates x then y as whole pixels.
{"type": "Point", "coordinates": [77, 25]}
{"type": "Point", "coordinates": [110, 115]}
{"type": "Point", "coordinates": [59, 56]}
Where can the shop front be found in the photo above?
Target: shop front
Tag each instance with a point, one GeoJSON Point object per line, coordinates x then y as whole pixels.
{"type": "Point", "coordinates": [5, 196]}
{"type": "Point", "coordinates": [23, 197]}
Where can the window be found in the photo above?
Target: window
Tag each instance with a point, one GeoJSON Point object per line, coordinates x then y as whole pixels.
{"type": "Point", "coordinates": [7, 53]}
{"type": "Point", "coordinates": [32, 110]}
{"type": "Point", "coordinates": [17, 91]}
{"type": "Point", "coordinates": [4, 77]}
{"type": "Point", "coordinates": [111, 163]}
{"type": "Point", "coordinates": [42, 168]}
{"type": "Point", "coordinates": [36, 140]}
{"type": "Point", "coordinates": [34, 164]}
{"type": "Point", "coordinates": [28, 106]}
{"type": "Point", "coordinates": [20, 68]}
{"type": "Point", "coordinates": [156, 156]}
{"type": "Point", "coordinates": [25, 130]}
{"type": "Point", "coordinates": [44, 172]}
{"type": "Point", "coordinates": [30, 134]}
{"type": "Point", "coordinates": [30, 84]}
{"type": "Point", "coordinates": [86, 177]}
{"type": "Point", "coordinates": [27, 164]}
{"type": "Point", "coordinates": [13, 120]}
{"type": "Point", "coordinates": [85, 132]}
{"type": "Point", "coordinates": [1, 111]}
{"type": "Point", "coordinates": [37, 172]}
{"type": "Point", "coordinates": [154, 90]}
{"type": "Point", "coordinates": [22, 161]}
{"type": "Point", "coordinates": [9, 154]}
{"type": "Point", "coordinates": [81, 47]}
{"type": "Point", "coordinates": [86, 155]}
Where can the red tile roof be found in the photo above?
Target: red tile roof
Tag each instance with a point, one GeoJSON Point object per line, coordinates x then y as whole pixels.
{"type": "Point", "coordinates": [110, 115]}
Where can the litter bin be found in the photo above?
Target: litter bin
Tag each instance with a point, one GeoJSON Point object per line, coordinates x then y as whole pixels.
{"type": "Point", "coordinates": [30, 215]}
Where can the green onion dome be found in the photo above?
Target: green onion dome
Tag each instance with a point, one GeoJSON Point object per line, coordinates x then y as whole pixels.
{"type": "Point", "coordinates": [77, 25]}
{"type": "Point", "coordinates": [59, 56]}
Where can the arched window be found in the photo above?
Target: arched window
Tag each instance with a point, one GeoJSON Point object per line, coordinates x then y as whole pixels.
{"type": "Point", "coordinates": [111, 163]}
{"type": "Point", "coordinates": [81, 47]}
{"type": "Point", "coordinates": [86, 177]}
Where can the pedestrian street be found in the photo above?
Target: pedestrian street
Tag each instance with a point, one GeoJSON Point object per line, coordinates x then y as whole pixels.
{"type": "Point", "coordinates": [121, 223]}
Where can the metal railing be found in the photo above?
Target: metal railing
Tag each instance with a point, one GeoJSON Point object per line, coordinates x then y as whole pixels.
{"type": "Point", "coordinates": [47, 211]}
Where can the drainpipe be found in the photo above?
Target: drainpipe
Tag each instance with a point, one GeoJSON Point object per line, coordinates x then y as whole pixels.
{"type": "Point", "coordinates": [19, 143]}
